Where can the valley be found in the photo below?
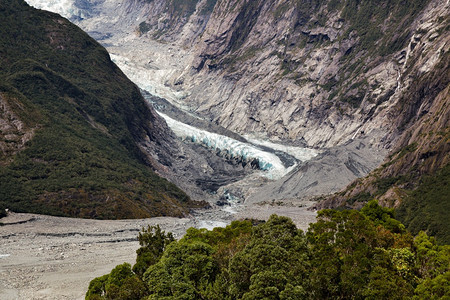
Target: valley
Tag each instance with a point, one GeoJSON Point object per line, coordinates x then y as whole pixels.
{"type": "Point", "coordinates": [155, 65]}
{"type": "Point", "coordinates": [236, 110]}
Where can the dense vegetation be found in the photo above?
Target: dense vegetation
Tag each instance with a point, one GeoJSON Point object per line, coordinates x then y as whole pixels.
{"type": "Point", "coordinates": [428, 206]}
{"type": "Point", "coordinates": [415, 177]}
{"type": "Point", "coordinates": [347, 254]}
{"type": "Point", "coordinates": [83, 159]}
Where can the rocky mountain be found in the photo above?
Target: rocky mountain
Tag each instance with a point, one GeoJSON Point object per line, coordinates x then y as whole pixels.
{"type": "Point", "coordinates": [322, 72]}
{"type": "Point", "coordinates": [415, 177]}
{"type": "Point", "coordinates": [72, 126]}
{"type": "Point", "coordinates": [355, 79]}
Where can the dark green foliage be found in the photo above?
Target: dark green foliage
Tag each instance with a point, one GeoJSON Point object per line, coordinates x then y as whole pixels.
{"type": "Point", "coordinates": [382, 216]}
{"type": "Point", "coordinates": [428, 207]}
{"type": "Point", "coordinates": [345, 255]}
{"type": "Point", "coordinates": [2, 211]}
{"type": "Point", "coordinates": [120, 284]}
{"type": "Point", "coordinates": [436, 288]}
{"type": "Point", "coordinates": [433, 266]}
{"type": "Point", "coordinates": [97, 288]}
{"type": "Point", "coordinates": [273, 263]}
{"type": "Point", "coordinates": [144, 27]}
{"type": "Point", "coordinates": [153, 242]}
{"type": "Point", "coordinates": [87, 117]}
{"type": "Point", "coordinates": [357, 255]}
{"type": "Point", "coordinates": [186, 267]}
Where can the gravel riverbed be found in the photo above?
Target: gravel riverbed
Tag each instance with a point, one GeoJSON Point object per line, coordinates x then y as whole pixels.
{"type": "Point", "coordinates": [45, 257]}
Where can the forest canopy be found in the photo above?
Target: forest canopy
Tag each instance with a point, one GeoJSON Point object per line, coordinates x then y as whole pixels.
{"type": "Point", "coordinates": [346, 254]}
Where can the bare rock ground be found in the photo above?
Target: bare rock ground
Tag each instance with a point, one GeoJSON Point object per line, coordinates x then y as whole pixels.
{"type": "Point", "coordinates": [45, 257]}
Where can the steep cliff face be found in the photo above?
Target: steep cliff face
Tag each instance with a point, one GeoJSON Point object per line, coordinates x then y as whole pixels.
{"type": "Point", "coordinates": [320, 72]}
{"type": "Point", "coordinates": [422, 149]}
{"type": "Point", "coordinates": [414, 178]}
{"type": "Point", "coordinates": [324, 72]}
{"type": "Point", "coordinates": [71, 125]}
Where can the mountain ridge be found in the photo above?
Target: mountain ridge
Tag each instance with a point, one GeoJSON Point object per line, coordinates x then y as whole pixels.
{"type": "Point", "coordinates": [75, 121]}
{"type": "Point", "coordinates": [347, 77]}
{"type": "Point", "coordinates": [314, 56]}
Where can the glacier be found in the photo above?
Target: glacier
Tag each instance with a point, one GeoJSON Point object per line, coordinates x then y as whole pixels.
{"type": "Point", "coordinates": [65, 8]}
{"type": "Point", "coordinates": [151, 81]}
{"type": "Point", "coordinates": [268, 162]}
{"type": "Point", "coordinates": [300, 153]}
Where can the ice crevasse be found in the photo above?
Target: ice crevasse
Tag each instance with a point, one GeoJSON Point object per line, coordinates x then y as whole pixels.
{"type": "Point", "coordinates": [268, 162]}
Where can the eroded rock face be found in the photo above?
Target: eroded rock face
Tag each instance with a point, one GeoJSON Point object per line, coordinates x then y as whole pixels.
{"type": "Point", "coordinates": [321, 73]}
{"type": "Point", "coordinates": [14, 132]}
{"type": "Point", "coordinates": [292, 77]}
{"type": "Point", "coordinates": [421, 150]}
{"type": "Point", "coordinates": [293, 71]}
{"type": "Point", "coordinates": [302, 73]}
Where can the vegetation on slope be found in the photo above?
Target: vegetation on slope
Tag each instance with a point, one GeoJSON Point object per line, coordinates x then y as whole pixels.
{"type": "Point", "coordinates": [345, 255]}
{"type": "Point", "coordinates": [83, 159]}
{"type": "Point", "coordinates": [428, 206]}
{"type": "Point", "coordinates": [415, 177]}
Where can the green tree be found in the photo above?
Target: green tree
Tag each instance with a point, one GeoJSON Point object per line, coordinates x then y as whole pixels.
{"type": "Point", "coordinates": [382, 216]}
{"type": "Point", "coordinates": [153, 242]}
{"type": "Point", "coordinates": [352, 255]}
{"type": "Point", "coordinates": [436, 288]}
{"type": "Point", "coordinates": [433, 268]}
{"type": "Point", "coordinates": [277, 255]}
{"type": "Point", "coordinates": [345, 255]}
{"type": "Point", "coordinates": [120, 284]}
{"type": "Point", "coordinates": [184, 271]}
{"type": "Point", "coordinates": [432, 259]}
{"type": "Point", "coordinates": [97, 288]}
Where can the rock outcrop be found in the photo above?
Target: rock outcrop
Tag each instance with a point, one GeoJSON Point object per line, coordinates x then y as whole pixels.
{"type": "Point", "coordinates": [321, 72]}
{"type": "Point", "coordinates": [15, 131]}
{"type": "Point", "coordinates": [354, 79]}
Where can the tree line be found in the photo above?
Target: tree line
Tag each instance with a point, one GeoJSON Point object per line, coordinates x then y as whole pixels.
{"type": "Point", "coordinates": [347, 254]}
